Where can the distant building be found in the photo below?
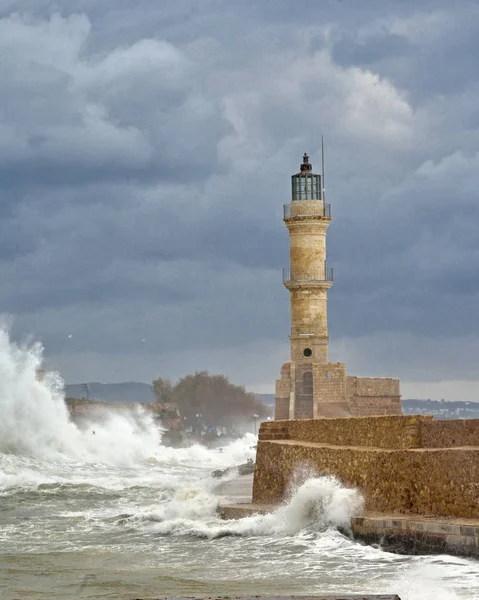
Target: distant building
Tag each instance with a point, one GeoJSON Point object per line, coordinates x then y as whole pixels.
{"type": "Point", "coordinates": [310, 386]}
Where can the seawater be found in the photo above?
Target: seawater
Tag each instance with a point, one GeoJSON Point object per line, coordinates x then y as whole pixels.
{"type": "Point", "coordinates": [113, 514]}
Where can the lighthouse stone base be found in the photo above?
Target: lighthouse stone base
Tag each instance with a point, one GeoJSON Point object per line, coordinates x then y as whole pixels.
{"type": "Point", "coordinates": [335, 394]}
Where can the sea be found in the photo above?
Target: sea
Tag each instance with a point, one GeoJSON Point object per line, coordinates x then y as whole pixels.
{"type": "Point", "coordinates": [106, 511]}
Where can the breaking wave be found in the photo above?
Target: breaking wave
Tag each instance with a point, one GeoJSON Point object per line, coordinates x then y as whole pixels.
{"type": "Point", "coordinates": [35, 420]}
{"type": "Point", "coordinates": [316, 505]}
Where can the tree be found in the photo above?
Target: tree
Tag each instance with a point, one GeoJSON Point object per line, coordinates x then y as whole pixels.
{"type": "Point", "coordinates": [216, 401]}
{"type": "Point", "coordinates": [162, 388]}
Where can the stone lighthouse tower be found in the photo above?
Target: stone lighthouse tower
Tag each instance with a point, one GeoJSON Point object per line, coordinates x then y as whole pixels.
{"type": "Point", "coordinates": [308, 279]}
{"type": "Point", "coordinates": [310, 386]}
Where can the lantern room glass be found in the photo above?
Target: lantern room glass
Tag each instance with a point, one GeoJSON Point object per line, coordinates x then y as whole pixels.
{"type": "Point", "coordinates": [306, 186]}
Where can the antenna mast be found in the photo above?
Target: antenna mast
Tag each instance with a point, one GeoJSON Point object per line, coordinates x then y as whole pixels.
{"type": "Point", "coordinates": [323, 191]}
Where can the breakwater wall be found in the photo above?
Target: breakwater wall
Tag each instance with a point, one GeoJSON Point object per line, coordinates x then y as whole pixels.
{"type": "Point", "coordinates": [411, 465]}
{"type": "Point", "coordinates": [395, 533]}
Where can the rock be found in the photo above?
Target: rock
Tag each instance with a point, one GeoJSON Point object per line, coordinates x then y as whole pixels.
{"type": "Point", "coordinates": [244, 469]}
{"type": "Point", "coordinates": [221, 472]}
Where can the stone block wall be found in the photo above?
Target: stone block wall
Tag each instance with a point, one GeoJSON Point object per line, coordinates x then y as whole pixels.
{"type": "Point", "coordinates": [307, 247]}
{"type": "Point", "coordinates": [402, 464]}
{"type": "Point", "coordinates": [330, 390]}
{"type": "Point", "coordinates": [282, 396]}
{"type": "Point", "coordinates": [376, 386]}
{"type": "Point", "coordinates": [308, 316]}
{"type": "Point", "coordinates": [329, 382]}
{"type": "Point", "coordinates": [334, 393]}
{"type": "Point", "coordinates": [281, 399]}
{"type": "Point", "coordinates": [392, 432]}
{"type": "Point", "coordinates": [301, 208]}
{"type": "Point", "coordinates": [450, 434]}
{"type": "Point", "coordinates": [370, 396]}
{"type": "Point", "coordinates": [440, 482]}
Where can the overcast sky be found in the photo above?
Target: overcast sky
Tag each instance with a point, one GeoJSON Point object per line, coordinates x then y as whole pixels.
{"type": "Point", "coordinates": [145, 154]}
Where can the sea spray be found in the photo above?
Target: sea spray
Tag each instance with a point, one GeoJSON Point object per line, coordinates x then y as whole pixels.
{"type": "Point", "coordinates": [35, 420]}
{"type": "Point", "coordinates": [235, 453]}
{"type": "Point", "coordinates": [39, 445]}
{"type": "Point", "coordinates": [429, 580]}
{"type": "Point", "coordinates": [34, 416]}
{"type": "Point", "coordinates": [319, 503]}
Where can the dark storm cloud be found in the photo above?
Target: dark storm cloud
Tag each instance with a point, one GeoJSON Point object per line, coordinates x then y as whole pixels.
{"type": "Point", "coordinates": [428, 54]}
{"type": "Point", "coordinates": [145, 154]}
{"type": "Point", "coordinates": [70, 118]}
{"type": "Point", "coordinates": [425, 272]}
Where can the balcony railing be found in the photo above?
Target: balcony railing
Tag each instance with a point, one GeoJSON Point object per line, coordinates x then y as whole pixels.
{"type": "Point", "coordinates": [314, 276]}
{"type": "Point", "coordinates": [307, 209]}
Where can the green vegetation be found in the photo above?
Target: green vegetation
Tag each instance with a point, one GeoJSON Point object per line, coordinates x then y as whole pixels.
{"type": "Point", "coordinates": [210, 400]}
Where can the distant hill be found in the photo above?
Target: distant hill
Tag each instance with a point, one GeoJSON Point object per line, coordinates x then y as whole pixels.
{"type": "Point", "coordinates": [130, 391]}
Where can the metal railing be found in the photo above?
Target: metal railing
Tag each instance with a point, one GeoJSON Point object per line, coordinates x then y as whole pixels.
{"type": "Point", "coordinates": [316, 275]}
{"type": "Point", "coordinates": [295, 209]}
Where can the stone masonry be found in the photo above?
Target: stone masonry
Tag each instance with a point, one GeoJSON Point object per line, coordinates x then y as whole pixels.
{"type": "Point", "coordinates": [310, 386]}
{"type": "Point", "coordinates": [411, 465]}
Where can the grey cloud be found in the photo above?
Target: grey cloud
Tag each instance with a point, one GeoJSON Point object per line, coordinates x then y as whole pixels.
{"type": "Point", "coordinates": [425, 274]}
{"type": "Point", "coordinates": [145, 154]}
{"type": "Point", "coordinates": [67, 118]}
{"type": "Point", "coordinates": [434, 52]}
{"type": "Point", "coordinates": [381, 46]}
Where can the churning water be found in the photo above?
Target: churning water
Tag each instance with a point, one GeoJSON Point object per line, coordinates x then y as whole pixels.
{"type": "Point", "coordinates": [116, 515]}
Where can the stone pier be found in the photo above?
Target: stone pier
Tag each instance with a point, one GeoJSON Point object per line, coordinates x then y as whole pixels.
{"type": "Point", "coordinates": [419, 477]}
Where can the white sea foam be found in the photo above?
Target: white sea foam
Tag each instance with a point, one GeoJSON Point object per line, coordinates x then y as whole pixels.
{"type": "Point", "coordinates": [35, 420]}
{"type": "Point", "coordinates": [429, 578]}
{"type": "Point", "coordinates": [35, 423]}
{"type": "Point", "coordinates": [316, 505]}
{"type": "Point", "coordinates": [235, 453]}
{"type": "Point", "coordinates": [121, 489]}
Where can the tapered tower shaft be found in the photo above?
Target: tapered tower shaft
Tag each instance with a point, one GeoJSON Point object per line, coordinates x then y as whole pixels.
{"type": "Point", "coordinates": [308, 278]}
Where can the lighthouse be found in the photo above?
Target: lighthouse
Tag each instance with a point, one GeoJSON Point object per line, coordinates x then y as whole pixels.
{"type": "Point", "coordinates": [308, 278]}
{"type": "Point", "coordinates": [310, 386]}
